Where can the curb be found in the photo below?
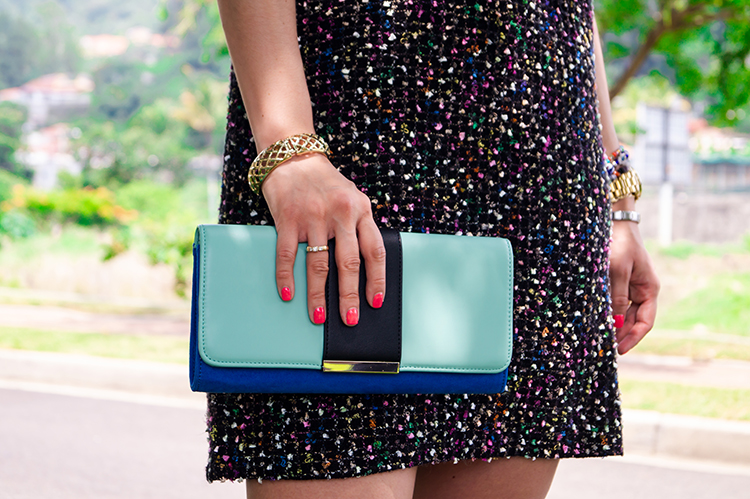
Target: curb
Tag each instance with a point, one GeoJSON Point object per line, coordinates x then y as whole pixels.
{"type": "Point", "coordinates": [656, 434]}
{"type": "Point", "coordinates": [644, 432]}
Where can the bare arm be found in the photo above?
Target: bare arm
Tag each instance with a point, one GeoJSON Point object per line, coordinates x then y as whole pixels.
{"type": "Point", "coordinates": [262, 40]}
{"type": "Point", "coordinates": [634, 285]}
{"type": "Point", "coordinates": [309, 199]}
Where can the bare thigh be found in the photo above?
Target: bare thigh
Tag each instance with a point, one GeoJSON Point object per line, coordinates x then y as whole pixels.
{"type": "Point", "coordinates": [391, 485]}
{"type": "Point", "coordinates": [514, 478]}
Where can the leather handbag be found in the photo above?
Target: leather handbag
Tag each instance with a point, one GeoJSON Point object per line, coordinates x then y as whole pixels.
{"type": "Point", "coordinates": [445, 325]}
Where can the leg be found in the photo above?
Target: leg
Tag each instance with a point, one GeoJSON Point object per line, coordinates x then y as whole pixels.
{"type": "Point", "coordinates": [391, 485]}
{"type": "Point", "coordinates": [514, 478]}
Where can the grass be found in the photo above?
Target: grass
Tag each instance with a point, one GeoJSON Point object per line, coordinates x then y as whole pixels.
{"type": "Point", "coordinates": [72, 240]}
{"type": "Point", "coordinates": [685, 249]}
{"type": "Point", "coordinates": [723, 307]}
{"type": "Point", "coordinates": [152, 348]}
{"type": "Point", "coordinates": [685, 346]}
{"type": "Point", "coordinates": [689, 400]}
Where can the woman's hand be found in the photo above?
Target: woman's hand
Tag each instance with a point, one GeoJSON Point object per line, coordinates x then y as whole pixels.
{"type": "Point", "coordinates": [312, 202]}
{"type": "Point", "coordinates": [634, 285]}
{"type": "Point", "coordinates": [309, 199]}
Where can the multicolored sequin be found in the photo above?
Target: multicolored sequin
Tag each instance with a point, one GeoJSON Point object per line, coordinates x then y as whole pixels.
{"type": "Point", "coordinates": [473, 118]}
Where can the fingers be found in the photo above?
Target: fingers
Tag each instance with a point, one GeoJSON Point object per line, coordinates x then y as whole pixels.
{"type": "Point", "coordinates": [619, 279]}
{"type": "Point", "coordinates": [639, 321]}
{"type": "Point", "coordinates": [286, 252]}
{"type": "Point", "coordinates": [373, 251]}
{"type": "Point", "coordinates": [347, 261]}
{"type": "Point", "coordinates": [333, 208]}
{"type": "Point", "coordinates": [317, 272]}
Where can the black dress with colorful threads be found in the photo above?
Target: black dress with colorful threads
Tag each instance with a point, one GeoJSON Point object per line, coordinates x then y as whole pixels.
{"type": "Point", "coordinates": [475, 118]}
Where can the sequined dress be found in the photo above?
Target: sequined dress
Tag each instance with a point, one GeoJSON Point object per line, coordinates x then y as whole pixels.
{"type": "Point", "coordinates": [474, 118]}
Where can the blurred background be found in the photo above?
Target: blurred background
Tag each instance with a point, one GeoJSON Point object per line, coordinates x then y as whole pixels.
{"type": "Point", "coordinates": [112, 117]}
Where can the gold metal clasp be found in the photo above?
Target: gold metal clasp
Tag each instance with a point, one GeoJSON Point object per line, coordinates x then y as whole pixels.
{"type": "Point", "coordinates": [354, 366]}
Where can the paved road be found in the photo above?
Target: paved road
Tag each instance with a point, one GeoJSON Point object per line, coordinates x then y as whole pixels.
{"type": "Point", "coordinates": [75, 447]}
{"type": "Point", "coordinates": [63, 447]}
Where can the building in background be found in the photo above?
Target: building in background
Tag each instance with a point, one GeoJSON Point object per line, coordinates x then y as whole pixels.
{"type": "Point", "coordinates": [52, 97]}
{"type": "Point", "coordinates": [721, 158]}
{"type": "Point", "coordinates": [47, 152]}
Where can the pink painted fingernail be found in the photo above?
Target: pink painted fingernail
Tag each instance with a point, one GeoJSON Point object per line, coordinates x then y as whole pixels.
{"type": "Point", "coordinates": [377, 300]}
{"type": "Point", "coordinates": [619, 320]}
{"type": "Point", "coordinates": [319, 315]}
{"type": "Point", "coordinates": [286, 294]}
{"type": "Point", "coordinates": [352, 317]}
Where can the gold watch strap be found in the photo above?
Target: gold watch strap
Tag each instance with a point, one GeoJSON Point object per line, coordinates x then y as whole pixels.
{"type": "Point", "coordinates": [279, 152]}
{"type": "Point", "coordinates": [627, 184]}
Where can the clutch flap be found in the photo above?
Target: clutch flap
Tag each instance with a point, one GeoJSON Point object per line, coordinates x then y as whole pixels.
{"type": "Point", "coordinates": [241, 320]}
{"type": "Point", "coordinates": [456, 308]}
{"type": "Point", "coordinates": [457, 303]}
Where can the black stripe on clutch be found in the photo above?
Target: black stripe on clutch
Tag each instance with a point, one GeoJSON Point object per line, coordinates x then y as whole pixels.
{"type": "Point", "coordinates": [374, 344]}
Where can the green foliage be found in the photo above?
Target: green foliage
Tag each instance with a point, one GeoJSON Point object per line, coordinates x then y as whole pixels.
{"type": "Point", "coordinates": [17, 225]}
{"type": "Point", "coordinates": [653, 89]}
{"type": "Point", "coordinates": [31, 49]}
{"type": "Point", "coordinates": [91, 17]}
{"type": "Point", "coordinates": [196, 22]}
{"type": "Point", "coordinates": [19, 44]}
{"type": "Point", "coordinates": [710, 65]}
{"type": "Point", "coordinates": [12, 118]}
{"type": "Point", "coordinates": [80, 206]}
{"type": "Point", "coordinates": [7, 181]}
{"type": "Point", "coordinates": [149, 145]}
{"type": "Point", "coordinates": [158, 140]}
{"type": "Point", "coordinates": [704, 43]}
{"type": "Point", "coordinates": [153, 201]}
{"type": "Point", "coordinates": [116, 84]}
{"type": "Point", "coordinates": [165, 226]}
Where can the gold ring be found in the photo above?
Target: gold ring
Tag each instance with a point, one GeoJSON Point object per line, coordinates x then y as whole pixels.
{"type": "Point", "coordinates": [316, 249]}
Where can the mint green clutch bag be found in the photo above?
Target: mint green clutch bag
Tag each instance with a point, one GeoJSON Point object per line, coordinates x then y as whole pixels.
{"type": "Point", "coordinates": [445, 325]}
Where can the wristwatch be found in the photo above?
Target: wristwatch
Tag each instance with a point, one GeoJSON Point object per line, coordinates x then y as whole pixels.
{"type": "Point", "coordinates": [630, 216]}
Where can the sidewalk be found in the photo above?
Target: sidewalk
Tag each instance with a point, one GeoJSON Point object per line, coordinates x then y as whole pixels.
{"type": "Point", "coordinates": [645, 433]}
{"type": "Point", "coordinates": [686, 371]}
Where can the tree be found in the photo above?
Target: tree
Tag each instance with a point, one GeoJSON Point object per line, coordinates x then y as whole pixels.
{"type": "Point", "coordinates": [203, 108]}
{"type": "Point", "coordinates": [30, 50]}
{"type": "Point", "coordinates": [196, 20]}
{"type": "Point", "coordinates": [118, 89]}
{"type": "Point", "coordinates": [705, 43]}
{"type": "Point", "coordinates": [12, 118]}
{"type": "Point", "coordinates": [19, 44]}
{"type": "Point", "coordinates": [151, 144]}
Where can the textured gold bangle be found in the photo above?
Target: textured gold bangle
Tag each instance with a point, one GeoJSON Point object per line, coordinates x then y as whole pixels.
{"type": "Point", "coordinates": [279, 152]}
{"type": "Point", "coordinates": [627, 184]}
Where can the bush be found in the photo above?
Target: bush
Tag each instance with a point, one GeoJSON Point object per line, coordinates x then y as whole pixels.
{"type": "Point", "coordinates": [152, 200]}
{"type": "Point", "coordinates": [80, 206]}
{"type": "Point", "coordinates": [165, 227]}
{"type": "Point", "coordinates": [7, 181]}
{"type": "Point", "coordinates": [16, 224]}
